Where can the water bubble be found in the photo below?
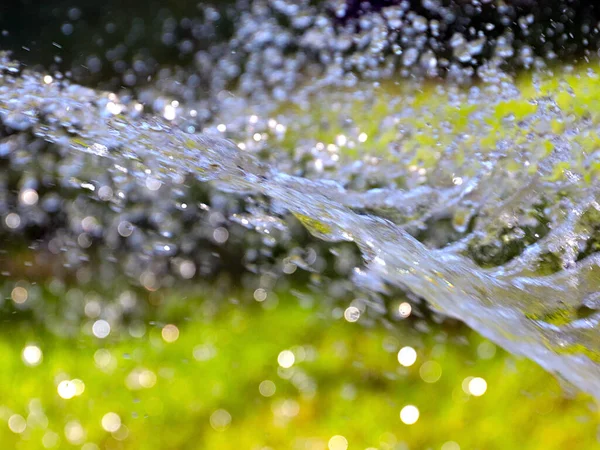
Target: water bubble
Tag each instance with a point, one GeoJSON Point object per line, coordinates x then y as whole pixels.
{"type": "Point", "coordinates": [101, 328]}
{"type": "Point", "coordinates": [410, 56]}
{"type": "Point", "coordinates": [12, 220]}
{"type": "Point", "coordinates": [170, 113]}
{"type": "Point", "coordinates": [260, 295]}
{"type": "Point", "coordinates": [187, 269]}
{"type": "Point", "coordinates": [114, 108]}
{"type": "Point", "coordinates": [352, 314]}
{"type": "Point", "coordinates": [125, 228]}
{"type": "Point", "coordinates": [220, 235]}
{"type": "Point", "coordinates": [153, 184]}
{"type": "Point", "coordinates": [404, 309]}
{"type": "Point", "coordinates": [67, 29]}
{"type": "Point", "coordinates": [105, 193]}
{"type": "Point", "coordinates": [29, 197]}
{"type": "Point", "coordinates": [19, 295]}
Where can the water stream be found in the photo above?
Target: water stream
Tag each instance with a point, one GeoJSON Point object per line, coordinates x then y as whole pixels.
{"type": "Point", "coordinates": [538, 301]}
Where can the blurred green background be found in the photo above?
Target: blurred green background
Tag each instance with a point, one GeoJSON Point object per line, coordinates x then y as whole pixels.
{"type": "Point", "coordinates": [218, 373]}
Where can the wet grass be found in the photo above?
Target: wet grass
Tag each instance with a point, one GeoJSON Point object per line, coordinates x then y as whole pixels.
{"type": "Point", "coordinates": [421, 123]}
{"type": "Point", "coordinates": [346, 380]}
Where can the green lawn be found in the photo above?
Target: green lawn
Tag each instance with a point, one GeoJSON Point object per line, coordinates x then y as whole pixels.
{"type": "Point", "coordinates": [203, 390]}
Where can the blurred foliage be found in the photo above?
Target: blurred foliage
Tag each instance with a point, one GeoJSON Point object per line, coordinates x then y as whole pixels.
{"type": "Point", "coordinates": [346, 380]}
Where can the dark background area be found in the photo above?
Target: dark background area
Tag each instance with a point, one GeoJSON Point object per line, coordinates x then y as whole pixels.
{"type": "Point", "coordinates": [118, 43]}
{"type": "Point", "coordinates": [100, 40]}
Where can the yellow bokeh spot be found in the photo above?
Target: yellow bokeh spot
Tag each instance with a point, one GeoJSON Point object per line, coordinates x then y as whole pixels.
{"type": "Point", "coordinates": [170, 333]}
{"type": "Point", "coordinates": [409, 414]}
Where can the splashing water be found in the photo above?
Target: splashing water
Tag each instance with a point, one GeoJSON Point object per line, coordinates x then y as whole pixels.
{"type": "Point", "coordinates": [533, 194]}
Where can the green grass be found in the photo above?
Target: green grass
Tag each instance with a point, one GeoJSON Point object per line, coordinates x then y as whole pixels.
{"type": "Point", "coordinates": [349, 383]}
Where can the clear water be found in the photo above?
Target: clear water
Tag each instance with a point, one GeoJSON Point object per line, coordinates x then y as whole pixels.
{"type": "Point", "coordinates": [530, 193]}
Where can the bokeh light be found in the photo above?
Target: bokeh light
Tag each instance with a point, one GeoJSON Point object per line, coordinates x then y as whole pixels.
{"type": "Point", "coordinates": [407, 356]}
{"type": "Point", "coordinates": [352, 314]}
{"type": "Point", "coordinates": [101, 329]}
{"type": "Point", "coordinates": [111, 422]}
{"type": "Point", "coordinates": [404, 309]}
{"type": "Point", "coordinates": [19, 295]}
{"type": "Point", "coordinates": [17, 423]}
{"type": "Point", "coordinates": [32, 355]}
{"type": "Point", "coordinates": [66, 389]}
{"type": "Point", "coordinates": [337, 442]}
{"type": "Point", "coordinates": [267, 388]}
{"type": "Point", "coordinates": [170, 333]}
{"type": "Point", "coordinates": [409, 414]}
{"type": "Point", "coordinates": [477, 386]}
{"type": "Point", "coordinates": [430, 371]}
{"type": "Point", "coordinates": [220, 420]}
{"type": "Point", "coordinates": [286, 359]}
{"type": "Point", "coordinates": [75, 433]}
